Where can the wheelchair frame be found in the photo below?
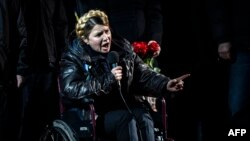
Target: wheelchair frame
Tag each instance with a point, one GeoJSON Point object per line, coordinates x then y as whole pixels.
{"type": "Point", "coordinates": [61, 131]}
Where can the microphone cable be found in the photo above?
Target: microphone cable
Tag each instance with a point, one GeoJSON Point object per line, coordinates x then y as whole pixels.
{"type": "Point", "coordinates": [124, 101]}
{"type": "Point", "coordinates": [130, 111]}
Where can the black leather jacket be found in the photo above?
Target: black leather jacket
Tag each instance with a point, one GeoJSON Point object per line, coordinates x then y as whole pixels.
{"type": "Point", "coordinates": [85, 74]}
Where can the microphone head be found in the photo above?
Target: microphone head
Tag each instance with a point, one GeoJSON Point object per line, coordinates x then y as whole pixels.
{"type": "Point", "coordinates": [113, 57]}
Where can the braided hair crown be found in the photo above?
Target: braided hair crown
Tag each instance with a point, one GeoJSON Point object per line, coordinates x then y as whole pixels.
{"type": "Point", "coordinates": [80, 27]}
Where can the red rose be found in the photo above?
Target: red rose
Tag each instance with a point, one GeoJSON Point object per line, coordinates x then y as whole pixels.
{"type": "Point", "coordinates": [140, 48]}
{"type": "Point", "coordinates": [153, 47]}
{"type": "Point", "coordinates": [146, 52]}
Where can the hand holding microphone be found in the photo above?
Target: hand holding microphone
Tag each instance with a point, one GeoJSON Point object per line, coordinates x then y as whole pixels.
{"type": "Point", "coordinates": [113, 59]}
{"type": "Point", "coordinates": [117, 71]}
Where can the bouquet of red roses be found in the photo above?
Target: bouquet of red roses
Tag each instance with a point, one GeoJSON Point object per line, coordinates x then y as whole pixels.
{"type": "Point", "coordinates": [146, 51]}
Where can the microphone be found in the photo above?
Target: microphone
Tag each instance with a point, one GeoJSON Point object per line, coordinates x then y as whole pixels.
{"type": "Point", "coordinates": [113, 59]}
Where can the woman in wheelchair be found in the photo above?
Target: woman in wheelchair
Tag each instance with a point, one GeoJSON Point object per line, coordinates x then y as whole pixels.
{"type": "Point", "coordinates": [101, 70]}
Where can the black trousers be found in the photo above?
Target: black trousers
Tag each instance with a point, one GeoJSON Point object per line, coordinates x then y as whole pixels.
{"type": "Point", "coordinates": [120, 125]}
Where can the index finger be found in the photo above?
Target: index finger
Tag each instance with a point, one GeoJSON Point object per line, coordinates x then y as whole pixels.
{"type": "Point", "coordinates": [182, 77]}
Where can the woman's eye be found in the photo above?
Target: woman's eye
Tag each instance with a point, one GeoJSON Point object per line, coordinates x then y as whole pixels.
{"type": "Point", "coordinates": [99, 34]}
{"type": "Point", "coordinates": [106, 31]}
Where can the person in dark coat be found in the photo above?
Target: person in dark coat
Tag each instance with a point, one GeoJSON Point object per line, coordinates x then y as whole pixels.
{"type": "Point", "coordinates": [88, 72]}
{"type": "Point", "coordinates": [188, 34]}
{"type": "Point", "coordinates": [13, 40]}
{"type": "Point", "coordinates": [231, 31]}
{"type": "Point", "coordinates": [47, 31]}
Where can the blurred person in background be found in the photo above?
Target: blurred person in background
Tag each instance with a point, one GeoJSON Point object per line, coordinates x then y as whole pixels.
{"type": "Point", "coordinates": [46, 24]}
{"type": "Point", "coordinates": [13, 41]}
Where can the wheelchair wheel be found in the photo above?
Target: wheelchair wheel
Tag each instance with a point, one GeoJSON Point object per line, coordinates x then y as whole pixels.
{"type": "Point", "coordinates": [59, 131]}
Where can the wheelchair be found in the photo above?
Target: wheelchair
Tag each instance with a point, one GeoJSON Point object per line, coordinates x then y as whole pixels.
{"type": "Point", "coordinates": [64, 130]}
{"type": "Point", "coordinates": [74, 125]}
{"type": "Point", "coordinates": [59, 131]}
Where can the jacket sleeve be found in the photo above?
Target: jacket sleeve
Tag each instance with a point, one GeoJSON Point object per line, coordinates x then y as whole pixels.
{"type": "Point", "coordinates": [148, 81]}
{"type": "Point", "coordinates": [22, 64]}
{"type": "Point", "coordinates": [76, 82]}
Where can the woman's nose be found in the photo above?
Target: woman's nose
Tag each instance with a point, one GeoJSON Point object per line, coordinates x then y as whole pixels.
{"type": "Point", "coordinates": [105, 37]}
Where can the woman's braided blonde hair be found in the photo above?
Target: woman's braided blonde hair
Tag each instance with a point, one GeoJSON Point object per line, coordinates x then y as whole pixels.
{"type": "Point", "coordinates": [81, 30]}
